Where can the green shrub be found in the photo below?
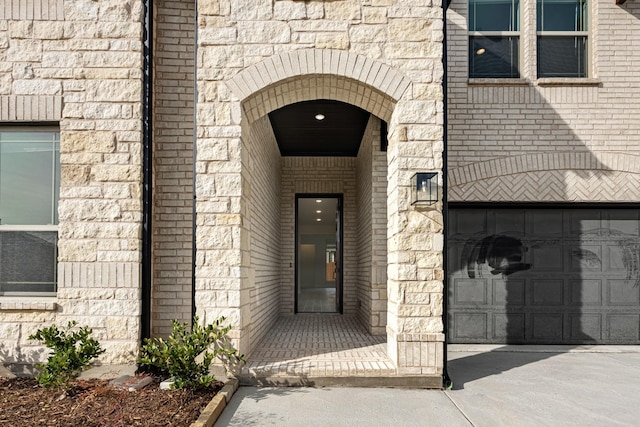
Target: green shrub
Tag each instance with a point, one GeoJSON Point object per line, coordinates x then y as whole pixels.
{"type": "Point", "coordinates": [186, 355]}
{"type": "Point", "coordinates": [73, 352]}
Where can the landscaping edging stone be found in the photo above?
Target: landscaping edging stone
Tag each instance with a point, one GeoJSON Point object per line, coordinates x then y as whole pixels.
{"type": "Point", "coordinates": [213, 410]}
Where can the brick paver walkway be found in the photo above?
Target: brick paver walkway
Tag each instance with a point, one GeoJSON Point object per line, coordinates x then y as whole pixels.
{"type": "Point", "coordinates": [319, 345]}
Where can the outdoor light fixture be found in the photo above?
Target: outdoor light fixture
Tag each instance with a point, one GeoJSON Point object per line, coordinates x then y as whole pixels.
{"type": "Point", "coordinates": [480, 51]}
{"type": "Point", "coordinates": [424, 188]}
{"type": "Point", "coordinates": [319, 117]}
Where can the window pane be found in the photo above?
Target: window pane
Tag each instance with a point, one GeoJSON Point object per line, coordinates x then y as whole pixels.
{"type": "Point", "coordinates": [494, 15]}
{"type": "Point", "coordinates": [495, 57]}
{"type": "Point", "coordinates": [28, 261]}
{"type": "Point", "coordinates": [29, 177]}
{"type": "Point", "coordinates": [562, 15]}
{"type": "Point", "coordinates": [562, 56]}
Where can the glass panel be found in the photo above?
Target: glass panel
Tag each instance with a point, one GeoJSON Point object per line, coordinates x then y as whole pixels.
{"type": "Point", "coordinates": [317, 246]}
{"type": "Point", "coordinates": [29, 193]}
{"type": "Point", "coordinates": [562, 56]}
{"type": "Point", "coordinates": [494, 15]}
{"type": "Point", "coordinates": [29, 177]}
{"type": "Point", "coordinates": [28, 261]}
{"type": "Point", "coordinates": [495, 57]}
{"type": "Point", "coordinates": [562, 15]}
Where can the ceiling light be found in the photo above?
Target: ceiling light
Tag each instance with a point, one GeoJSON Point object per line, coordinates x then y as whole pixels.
{"type": "Point", "coordinates": [318, 201]}
{"type": "Point", "coordinates": [319, 117]}
{"type": "Point", "coordinates": [318, 219]}
{"type": "Point", "coordinates": [480, 51]}
{"type": "Point", "coordinates": [318, 211]}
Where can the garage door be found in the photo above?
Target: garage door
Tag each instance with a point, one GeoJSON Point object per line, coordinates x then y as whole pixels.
{"type": "Point", "coordinates": [544, 276]}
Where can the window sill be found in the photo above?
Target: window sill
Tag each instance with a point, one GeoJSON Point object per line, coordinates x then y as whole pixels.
{"type": "Point", "coordinates": [547, 81]}
{"type": "Point", "coordinates": [28, 303]}
{"type": "Point", "coordinates": [568, 81]}
{"type": "Point", "coordinates": [498, 82]}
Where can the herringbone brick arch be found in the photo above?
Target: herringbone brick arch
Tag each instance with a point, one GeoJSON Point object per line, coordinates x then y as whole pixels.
{"type": "Point", "coordinates": [553, 177]}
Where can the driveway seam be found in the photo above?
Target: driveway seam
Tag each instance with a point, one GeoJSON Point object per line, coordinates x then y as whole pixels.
{"type": "Point", "coordinates": [459, 409]}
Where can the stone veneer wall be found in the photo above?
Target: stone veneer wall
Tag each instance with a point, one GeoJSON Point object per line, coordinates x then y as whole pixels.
{"type": "Point", "coordinates": [551, 139]}
{"type": "Point", "coordinates": [79, 63]}
{"type": "Point", "coordinates": [319, 175]}
{"type": "Point", "coordinates": [173, 113]}
{"type": "Point", "coordinates": [263, 206]}
{"type": "Point", "coordinates": [371, 181]}
{"type": "Point", "coordinates": [383, 56]}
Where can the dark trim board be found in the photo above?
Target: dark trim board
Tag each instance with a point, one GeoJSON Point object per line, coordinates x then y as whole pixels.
{"type": "Point", "coordinates": [545, 205]}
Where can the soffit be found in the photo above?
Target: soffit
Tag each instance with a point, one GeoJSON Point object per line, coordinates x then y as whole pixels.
{"type": "Point", "coordinates": [299, 133]}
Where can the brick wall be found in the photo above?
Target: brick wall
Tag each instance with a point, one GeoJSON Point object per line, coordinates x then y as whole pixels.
{"type": "Point", "coordinates": [263, 206]}
{"type": "Point", "coordinates": [319, 175]}
{"type": "Point", "coordinates": [364, 167]}
{"type": "Point", "coordinates": [371, 179]}
{"type": "Point", "coordinates": [173, 112]}
{"type": "Point", "coordinates": [548, 139]}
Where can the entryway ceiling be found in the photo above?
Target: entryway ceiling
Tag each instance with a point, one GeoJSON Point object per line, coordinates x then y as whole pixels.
{"type": "Point", "coordinates": [301, 132]}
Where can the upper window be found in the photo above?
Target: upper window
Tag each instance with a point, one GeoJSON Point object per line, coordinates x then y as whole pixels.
{"type": "Point", "coordinates": [562, 38]}
{"type": "Point", "coordinates": [29, 193]}
{"type": "Point", "coordinates": [494, 38]}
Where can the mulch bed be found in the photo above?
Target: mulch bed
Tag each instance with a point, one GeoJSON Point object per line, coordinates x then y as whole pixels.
{"type": "Point", "coordinates": [23, 402]}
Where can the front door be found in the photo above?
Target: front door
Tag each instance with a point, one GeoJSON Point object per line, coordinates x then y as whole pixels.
{"type": "Point", "coordinates": [318, 254]}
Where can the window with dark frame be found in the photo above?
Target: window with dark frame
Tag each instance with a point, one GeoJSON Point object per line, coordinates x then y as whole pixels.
{"type": "Point", "coordinates": [29, 194]}
{"type": "Point", "coordinates": [562, 34]}
{"type": "Point", "coordinates": [494, 38]}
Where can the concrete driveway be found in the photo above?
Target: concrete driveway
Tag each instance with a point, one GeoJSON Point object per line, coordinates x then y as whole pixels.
{"type": "Point", "coordinates": [493, 386]}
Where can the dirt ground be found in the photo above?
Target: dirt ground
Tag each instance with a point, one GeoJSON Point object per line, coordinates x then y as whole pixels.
{"type": "Point", "coordinates": [23, 402]}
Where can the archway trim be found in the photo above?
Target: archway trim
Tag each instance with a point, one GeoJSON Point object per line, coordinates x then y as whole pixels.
{"type": "Point", "coordinates": [376, 74]}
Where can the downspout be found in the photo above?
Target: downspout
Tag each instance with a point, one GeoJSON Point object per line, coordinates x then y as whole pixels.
{"type": "Point", "coordinates": [446, 380]}
{"type": "Point", "coordinates": [195, 151]}
{"type": "Point", "coordinates": [147, 134]}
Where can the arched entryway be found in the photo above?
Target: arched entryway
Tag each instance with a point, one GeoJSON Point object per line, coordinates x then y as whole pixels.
{"type": "Point", "coordinates": [246, 196]}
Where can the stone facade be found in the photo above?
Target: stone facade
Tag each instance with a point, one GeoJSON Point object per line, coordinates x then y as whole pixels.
{"type": "Point", "coordinates": [384, 57]}
{"type": "Point", "coordinates": [220, 66]}
{"type": "Point", "coordinates": [80, 64]}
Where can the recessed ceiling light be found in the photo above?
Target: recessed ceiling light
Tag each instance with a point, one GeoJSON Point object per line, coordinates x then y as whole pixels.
{"type": "Point", "coordinates": [318, 219]}
{"type": "Point", "coordinates": [318, 211]}
{"type": "Point", "coordinates": [319, 117]}
{"type": "Point", "coordinates": [318, 201]}
{"type": "Point", "coordinates": [480, 51]}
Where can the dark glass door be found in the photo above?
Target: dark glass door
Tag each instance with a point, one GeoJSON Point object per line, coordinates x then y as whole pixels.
{"type": "Point", "coordinates": [318, 254]}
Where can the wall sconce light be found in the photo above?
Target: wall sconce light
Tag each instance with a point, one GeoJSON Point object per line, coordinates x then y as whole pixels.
{"type": "Point", "coordinates": [424, 188]}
